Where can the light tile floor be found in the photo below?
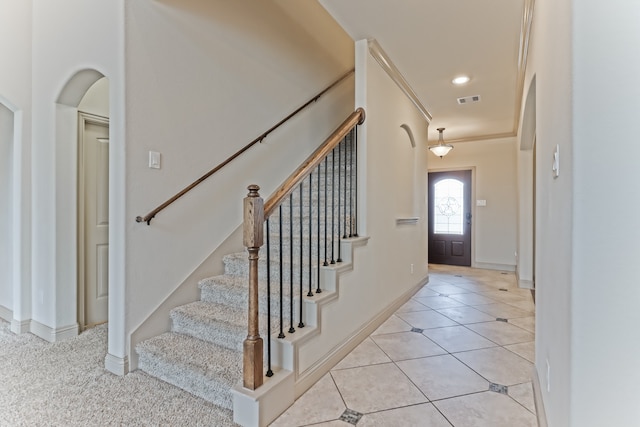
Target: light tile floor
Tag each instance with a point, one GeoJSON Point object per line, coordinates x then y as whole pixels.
{"type": "Point", "coordinates": [459, 353]}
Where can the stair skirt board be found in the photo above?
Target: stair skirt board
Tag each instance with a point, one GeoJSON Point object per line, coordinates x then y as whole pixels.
{"type": "Point", "coordinates": [258, 407]}
{"type": "Point", "coordinates": [6, 314]}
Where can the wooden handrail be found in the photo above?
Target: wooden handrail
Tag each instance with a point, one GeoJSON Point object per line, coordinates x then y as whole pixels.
{"type": "Point", "coordinates": [355, 118]}
{"type": "Point", "coordinates": [148, 217]}
{"type": "Point", "coordinates": [256, 211]}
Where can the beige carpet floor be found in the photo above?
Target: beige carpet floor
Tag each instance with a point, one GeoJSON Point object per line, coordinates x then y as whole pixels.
{"type": "Point", "coordinates": [65, 384]}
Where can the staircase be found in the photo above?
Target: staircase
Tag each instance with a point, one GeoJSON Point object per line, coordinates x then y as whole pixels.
{"type": "Point", "coordinates": [202, 353]}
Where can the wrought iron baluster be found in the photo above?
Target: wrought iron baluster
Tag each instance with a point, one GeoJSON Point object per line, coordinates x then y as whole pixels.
{"type": "Point", "coordinates": [347, 186]}
{"type": "Point", "coordinates": [291, 328]}
{"type": "Point", "coordinates": [269, 370]}
{"type": "Point", "coordinates": [281, 334]}
{"type": "Point", "coordinates": [352, 189]}
{"type": "Point", "coordinates": [318, 290]}
{"type": "Point", "coordinates": [310, 293]}
{"type": "Point", "coordinates": [355, 167]}
{"type": "Point", "coordinates": [333, 204]}
{"type": "Point", "coordinates": [339, 198]}
{"type": "Point", "coordinates": [326, 203]}
{"type": "Point", "coordinates": [300, 322]}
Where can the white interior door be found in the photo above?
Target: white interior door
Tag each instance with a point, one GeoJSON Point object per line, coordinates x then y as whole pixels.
{"type": "Point", "coordinates": [94, 218]}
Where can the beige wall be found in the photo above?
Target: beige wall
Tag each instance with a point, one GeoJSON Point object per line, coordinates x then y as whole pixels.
{"type": "Point", "coordinates": [204, 79]}
{"type": "Point", "coordinates": [605, 377]}
{"type": "Point", "coordinates": [494, 179]}
{"type": "Point", "coordinates": [382, 273]}
{"type": "Point", "coordinates": [550, 63]}
{"type": "Point", "coordinates": [47, 46]}
{"type": "Point", "coordinates": [385, 157]}
{"type": "Point", "coordinates": [586, 267]}
{"type": "Point", "coordinates": [15, 94]}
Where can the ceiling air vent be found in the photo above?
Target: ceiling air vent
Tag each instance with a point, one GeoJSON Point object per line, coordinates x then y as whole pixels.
{"type": "Point", "coordinates": [469, 99]}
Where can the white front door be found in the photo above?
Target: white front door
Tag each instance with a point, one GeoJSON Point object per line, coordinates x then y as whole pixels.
{"type": "Point", "coordinates": [93, 213]}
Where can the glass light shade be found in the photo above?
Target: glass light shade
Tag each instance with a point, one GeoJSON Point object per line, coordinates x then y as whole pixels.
{"type": "Point", "coordinates": [441, 150]}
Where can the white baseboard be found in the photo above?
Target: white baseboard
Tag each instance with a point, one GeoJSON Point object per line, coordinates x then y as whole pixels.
{"type": "Point", "coordinates": [116, 365]}
{"type": "Point", "coordinates": [537, 398]}
{"type": "Point", "coordinates": [54, 335]}
{"type": "Point", "coordinates": [6, 314]}
{"type": "Point", "coordinates": [525, 284]}
{"type": "Point", "coordinates": [20, 326]}
{"type": "Point", "coordinates": [491, 266]}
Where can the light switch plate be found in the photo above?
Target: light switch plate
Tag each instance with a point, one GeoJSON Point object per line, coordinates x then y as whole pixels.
{"type": "Point", "coordinates": [154, 160]}
{"type": "Point", "coordinates": [481, 203]}
{"type": "Point", "coordinates": [556, 162]}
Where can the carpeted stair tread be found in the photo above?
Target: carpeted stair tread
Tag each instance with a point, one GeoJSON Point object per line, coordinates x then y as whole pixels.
{"type": "Point", "coordinates": [238, 265]}
{"type": "Point", "coordinates": [227, 282]}
{"type": "Point", "coordinates": [233, 291]}
{"type": "Point", "coordinates": [202, 368]}
{"type": "Point", "coordinates": [213, 322]}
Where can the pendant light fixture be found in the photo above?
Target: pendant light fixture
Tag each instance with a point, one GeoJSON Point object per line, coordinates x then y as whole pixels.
{"type": "Point", "coordinates": [441, 149]}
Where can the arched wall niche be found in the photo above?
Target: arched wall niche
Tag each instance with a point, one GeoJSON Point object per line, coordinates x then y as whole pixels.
{"type": "Point", "coordinates": [77, 86]}
{"type": "Point", "coordinates": [412, 207]}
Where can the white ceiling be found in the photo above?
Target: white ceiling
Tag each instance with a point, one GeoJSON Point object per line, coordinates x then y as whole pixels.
{"type": "Point", "coordinates": [433, 41]}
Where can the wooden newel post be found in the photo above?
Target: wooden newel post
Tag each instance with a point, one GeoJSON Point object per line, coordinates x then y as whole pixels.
{"type": "Point", "coordinates": [253, 240]}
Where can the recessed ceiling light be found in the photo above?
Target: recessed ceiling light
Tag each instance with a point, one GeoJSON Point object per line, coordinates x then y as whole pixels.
{"type": "Point", "coordinates": [460, 80]}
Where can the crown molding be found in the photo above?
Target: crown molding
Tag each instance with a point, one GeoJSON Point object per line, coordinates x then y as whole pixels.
{"type": "Point", "coordinates": [388, 66]}
{"type": "Point", "coordinates": [482, 137]}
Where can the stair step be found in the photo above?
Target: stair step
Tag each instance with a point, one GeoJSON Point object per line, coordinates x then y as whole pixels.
{"type": "Point", "coordinates": [199, 367]}
{"type": "Point", "coordinates": [212, 322]}
{"type": "Point", "coordinates": [237, 264]}
{"type": "Point", "coordinates": [219, 324]}
{"type": "Point", "coordinates": [233, 291]}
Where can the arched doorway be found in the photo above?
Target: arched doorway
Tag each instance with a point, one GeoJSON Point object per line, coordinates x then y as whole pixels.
{"type": "Point", "coordinates": [93, 205]}
{"type": "Point", "coordinates": [87, 90]}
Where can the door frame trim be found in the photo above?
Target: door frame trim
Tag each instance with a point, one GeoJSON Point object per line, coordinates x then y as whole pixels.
{"type": "Point", "coordinates": [83, 120]}
{"type": "Point", "coordinates": [473, 204]}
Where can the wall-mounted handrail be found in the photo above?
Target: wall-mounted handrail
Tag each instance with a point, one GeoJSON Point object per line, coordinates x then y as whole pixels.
{"type": "Point", "coordinates": [148, 217]}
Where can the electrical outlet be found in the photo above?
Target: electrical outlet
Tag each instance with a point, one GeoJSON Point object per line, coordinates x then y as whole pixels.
{"type": "Point", "coordinates": [411, 268]}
